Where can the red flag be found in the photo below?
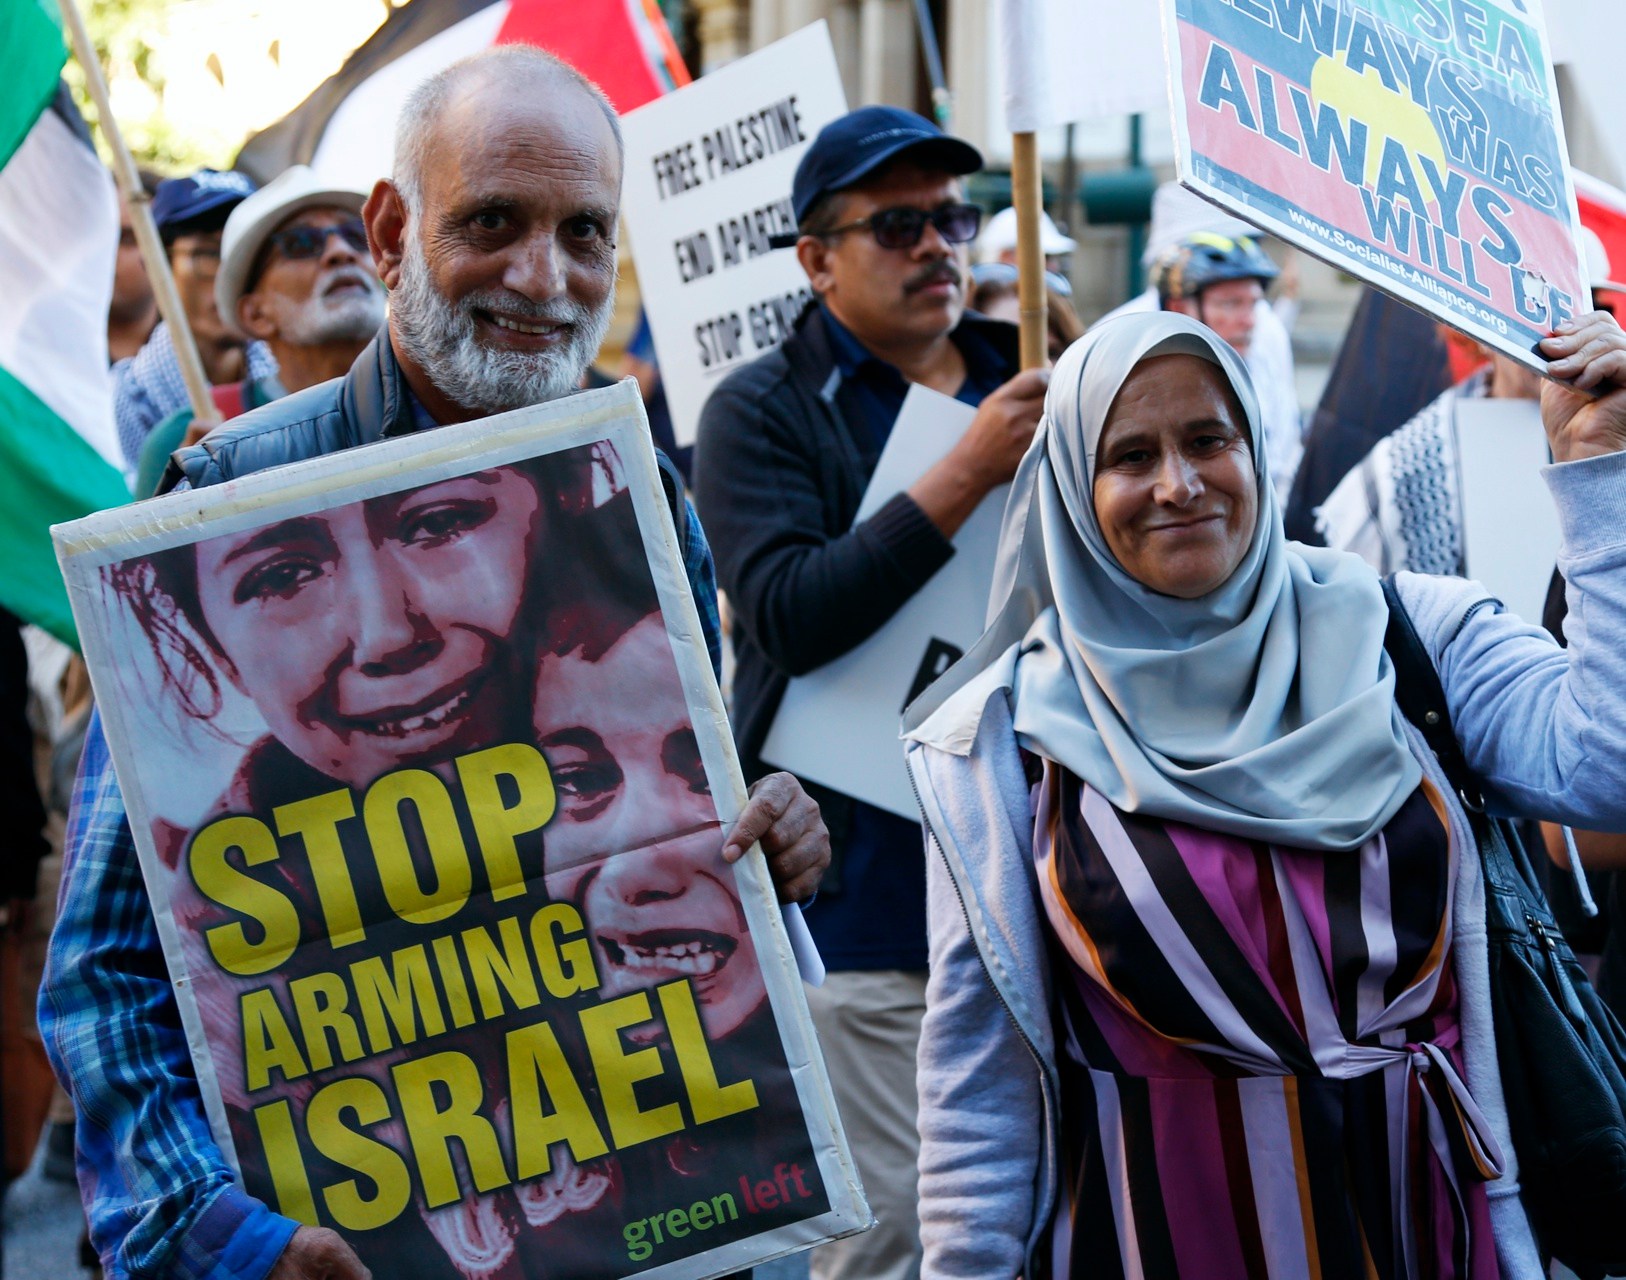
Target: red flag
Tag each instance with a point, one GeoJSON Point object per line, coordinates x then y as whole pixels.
{"type": "Point", "coordinates": [345, 128]}
{"type": "Point", "coordinates": [604, 40]}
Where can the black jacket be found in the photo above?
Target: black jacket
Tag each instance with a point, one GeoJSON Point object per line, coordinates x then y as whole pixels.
{"type": "Point", "coordinates": [23, 809]}
{"type": "Point", "coordinates": [781, 464]}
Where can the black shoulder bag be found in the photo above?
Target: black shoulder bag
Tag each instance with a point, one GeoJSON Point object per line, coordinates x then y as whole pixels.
{"type": "Point", "coordinates": [1563, 1055]}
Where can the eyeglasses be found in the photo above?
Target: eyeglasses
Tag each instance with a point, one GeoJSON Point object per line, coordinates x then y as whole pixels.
{"type": "Point", "coordinates": [902, 227]}
{"type": "Point", "coordinates": [202, 259]}
{"type": "Point", "coordinates": [306, 241]}
{"type": "Point", "coordinates": [1229, 306]}
{"type": "Point", "coordinates": [207, 251]}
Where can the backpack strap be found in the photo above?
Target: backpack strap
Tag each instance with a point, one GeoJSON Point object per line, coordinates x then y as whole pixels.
{"type": "Point", "coordinates": [1421, 697]}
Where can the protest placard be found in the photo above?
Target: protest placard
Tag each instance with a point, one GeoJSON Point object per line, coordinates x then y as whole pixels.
{"type": "Point", "coordinates": [428, 774]}
{"type": "Point", "coordinates": [1415, 144]}
{"type": "Point", "coordinates": [839, 725]}
{"type": "Point", "coordinates": [708, 179]}
{"type": "Point", "coordinates": [1510, 533]}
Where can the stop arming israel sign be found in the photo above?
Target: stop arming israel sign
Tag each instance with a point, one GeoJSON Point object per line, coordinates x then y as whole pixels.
{"type": "Point", "coordinates": [427, 774]}
{"type": "Point", "coordinates": [1413, 143]}
{"type": "Point", "coordinates": [709, 172]}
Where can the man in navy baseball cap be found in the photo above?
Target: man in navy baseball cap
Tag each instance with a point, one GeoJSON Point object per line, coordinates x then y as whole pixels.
{"type": "Point", "coordinates": [857, 144]}
{"type": "Point", "coordinates": [201, 201]}
{"type": "Point", "coordinates": [190, 214]}
{"type": "Point", "coordinates": [788, 444]}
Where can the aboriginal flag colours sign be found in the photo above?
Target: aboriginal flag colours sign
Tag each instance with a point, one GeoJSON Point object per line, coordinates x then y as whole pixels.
{"type": "Point", "coordinates": [1415, 143]}
{"type": "Point", "coordinates": [58, 236]}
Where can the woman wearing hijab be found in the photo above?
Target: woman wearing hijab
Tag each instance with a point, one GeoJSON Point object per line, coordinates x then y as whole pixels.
{"type": "Point", "coordinates": [1209, 994]}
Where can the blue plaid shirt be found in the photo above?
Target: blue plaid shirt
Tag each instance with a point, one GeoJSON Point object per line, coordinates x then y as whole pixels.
{"type": "Point", "coordinates": [159, 1195]}
{"type": "Point", "coordinates": [148, 387]}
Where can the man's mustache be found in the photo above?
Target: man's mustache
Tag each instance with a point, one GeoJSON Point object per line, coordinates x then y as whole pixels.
{"type": "Point", "coordinates": [943, 271]}
{"type": "Point", "coordinates": [518, 307]}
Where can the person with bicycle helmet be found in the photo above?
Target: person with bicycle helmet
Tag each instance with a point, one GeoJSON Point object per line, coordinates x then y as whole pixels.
{"type": "Point", "coordinates": [1217, 280]}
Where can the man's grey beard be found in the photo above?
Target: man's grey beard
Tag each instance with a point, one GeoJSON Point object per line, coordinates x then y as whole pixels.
{"type": "Point", "coordinates": [439, 336]}
{"type": "Point", "coordinates": [349, 317]}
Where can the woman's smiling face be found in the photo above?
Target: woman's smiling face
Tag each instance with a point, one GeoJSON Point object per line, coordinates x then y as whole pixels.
{"type": "Point", "coordinates": [379, 634]}
{"type": "Point", "coordinates": [636, 839]}
{"type": "Point", "coordinates": [1175, 490]}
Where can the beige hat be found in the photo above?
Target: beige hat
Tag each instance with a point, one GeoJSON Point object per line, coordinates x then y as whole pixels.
{"type": "Point", "coordinates": [258, 217]}
{"type": "Point", "coordinates": [1000, 235]}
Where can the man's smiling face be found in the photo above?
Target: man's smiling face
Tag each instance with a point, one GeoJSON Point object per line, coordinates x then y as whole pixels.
{"type": "Point", "coordinates": [507, 271]}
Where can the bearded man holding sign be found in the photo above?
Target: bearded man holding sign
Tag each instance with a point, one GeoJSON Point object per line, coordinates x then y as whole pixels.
{"type": "Point", "coordinates": [501, 262]}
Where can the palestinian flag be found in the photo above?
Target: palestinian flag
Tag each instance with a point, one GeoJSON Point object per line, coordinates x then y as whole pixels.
{"type": "Point", "coordinates": [59, 234]}
{"type": "Point", "coordinates": [346, 128]}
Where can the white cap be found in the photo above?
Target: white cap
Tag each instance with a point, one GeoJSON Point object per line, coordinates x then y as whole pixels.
{"type": "Point", "coordinates": [254, 220]}
{"type": "Point", "coordinates": [1000, 235]}
{"type": "Point", "coordinates": [1596, 258]}
{"type": "Point", "coordinates": [1178, 213]}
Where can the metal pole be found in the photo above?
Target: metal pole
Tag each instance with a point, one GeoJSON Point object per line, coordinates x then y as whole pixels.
{"type": "Point", "coordinates": [1069, 184]}
{"type": "Point", "coordinates": [1027, 194]}
{"type": "Point", "coordinates": [942, 104]}
{"type": "Point", "coordinates": [1137, 231]}
{"type": "Point", "coordinates": [146, 232]}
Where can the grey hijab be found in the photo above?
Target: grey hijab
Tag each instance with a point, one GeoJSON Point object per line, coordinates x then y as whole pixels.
{"type": "Point", "coordinates": [1264, 709]}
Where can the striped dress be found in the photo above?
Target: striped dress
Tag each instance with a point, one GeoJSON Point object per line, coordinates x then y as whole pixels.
{"type": "Point", "coordinates": [1258, 1050]}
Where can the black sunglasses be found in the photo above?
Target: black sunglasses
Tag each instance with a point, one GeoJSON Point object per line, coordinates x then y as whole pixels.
{"type": "Point", "coordinates": [311, 242]}
{"type": "Point", "coordinates": [902, 227]}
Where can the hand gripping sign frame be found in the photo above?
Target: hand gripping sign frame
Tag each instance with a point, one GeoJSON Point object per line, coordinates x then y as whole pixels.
{"type": "Point", "coordinates": [838, 725]}
{"type": "Point", "coordinates": [442, 992]}
{"type": "Point", "coordinates": [1415, 144]}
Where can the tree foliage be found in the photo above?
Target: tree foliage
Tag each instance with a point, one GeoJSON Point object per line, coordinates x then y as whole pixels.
{"type": "Point", "coordinates": [128, 35]}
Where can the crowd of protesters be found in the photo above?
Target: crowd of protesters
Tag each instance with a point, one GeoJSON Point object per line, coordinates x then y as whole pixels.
{"type": "Point", "coordinates": [1146, 999]}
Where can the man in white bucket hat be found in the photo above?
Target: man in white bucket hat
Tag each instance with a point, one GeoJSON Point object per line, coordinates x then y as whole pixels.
{"type": "Point", "coordinates": [295, 273]}
{"type": "Point", "coordinates": [998, 242]}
